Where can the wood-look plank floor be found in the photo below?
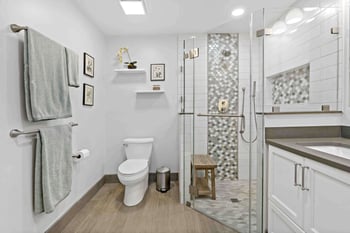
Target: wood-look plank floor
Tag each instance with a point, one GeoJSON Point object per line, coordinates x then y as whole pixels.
{"type": "Point", "coordinates": [157, 213]}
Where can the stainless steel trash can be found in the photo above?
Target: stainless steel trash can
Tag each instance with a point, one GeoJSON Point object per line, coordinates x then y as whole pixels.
{"type": "Point", "coordinates": [163, 179]}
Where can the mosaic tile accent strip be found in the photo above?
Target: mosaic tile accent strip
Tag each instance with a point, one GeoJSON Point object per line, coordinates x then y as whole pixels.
{"type": "Point", "coordinates": [223, 84]}
{"type": "Point", "coordinates": [292, 86]}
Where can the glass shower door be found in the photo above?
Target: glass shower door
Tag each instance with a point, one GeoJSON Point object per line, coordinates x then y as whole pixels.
{"type": "Point", "coordinates": [220, 86]}
{"type": "Point", "coordinates": [186, 111]}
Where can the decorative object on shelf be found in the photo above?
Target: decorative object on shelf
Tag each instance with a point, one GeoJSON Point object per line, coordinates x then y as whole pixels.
{"type": "Point", "coordinates": [156, 87]}
{"type": "Point", "coordinates": [89, 65]}
{"type": "Point", "coordinates": [88, 95]}
{"type": "Point", "coordinates": [157, 72]}
{"type": "Point", "coordinates": [131, 64]}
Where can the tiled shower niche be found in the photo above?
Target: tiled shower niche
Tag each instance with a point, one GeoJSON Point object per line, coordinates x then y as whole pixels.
{"type": "Point", "coordinates": [291, 86]}
{"type": "Point", "coordinates": [223, 84]}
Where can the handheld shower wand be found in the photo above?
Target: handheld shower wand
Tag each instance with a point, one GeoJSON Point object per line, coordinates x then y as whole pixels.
{"type": "Point", "coordinates": [242, 129]}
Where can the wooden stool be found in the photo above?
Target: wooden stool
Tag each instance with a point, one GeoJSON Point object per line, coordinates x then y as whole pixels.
{"type": "Point", "coordinates": [201, 184]}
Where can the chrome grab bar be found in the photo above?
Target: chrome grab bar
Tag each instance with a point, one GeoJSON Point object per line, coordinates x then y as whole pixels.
{"type": "Point", "coordinates": [219, 115]}
{"type": "Point", "coordinates": [296, 165]}
{"type": "Point", "coordinates": [303, 187]}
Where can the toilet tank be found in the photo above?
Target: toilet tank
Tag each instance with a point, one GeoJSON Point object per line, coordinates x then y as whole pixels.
{"type": "Point", "coordinates": [138, 148]}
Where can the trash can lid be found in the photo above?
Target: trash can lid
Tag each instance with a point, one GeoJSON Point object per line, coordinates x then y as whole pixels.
{"type": "Point", "coordinates": [163, 169]}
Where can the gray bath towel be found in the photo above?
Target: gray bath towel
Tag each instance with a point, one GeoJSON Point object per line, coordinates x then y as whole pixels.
{"type": "Point", "coordinates": [45, 78]}
{"type": "Point", "coordinates": [53, 167]}
{"type": "Point", "coordinates": [72, 68]}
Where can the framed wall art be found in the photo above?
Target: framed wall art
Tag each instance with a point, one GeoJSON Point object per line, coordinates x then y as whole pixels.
{"type": "Point", "coordinates": [157, 72]}
{"type": "Point", "coordinates": [89, 65]}
{"type": "Point", "coordinates": [88, 95]}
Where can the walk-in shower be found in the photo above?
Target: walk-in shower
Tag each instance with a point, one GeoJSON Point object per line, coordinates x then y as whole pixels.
{"type": "Point", "coordinates": [219, 129]}
{"type": "Point", "coordinates": [226, 93]}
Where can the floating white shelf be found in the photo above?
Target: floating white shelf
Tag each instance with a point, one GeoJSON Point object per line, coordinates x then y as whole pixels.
{"type": "Point", "coordinates": [149, 92]}
{"type": "Point", "coordinates": [130, 71]}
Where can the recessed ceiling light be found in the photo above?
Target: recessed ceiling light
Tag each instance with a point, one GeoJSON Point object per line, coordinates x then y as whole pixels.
{"type": "Point", "coordinates": [133, 7]}
{"type": "Point", "coordinates": [278, 28]}
{"type": "Point", "coordinates": [308, 9]}
{"type": "Point", "coordinates": [294, 16]}
{"type": "Point", "coordinates": [238, 12]}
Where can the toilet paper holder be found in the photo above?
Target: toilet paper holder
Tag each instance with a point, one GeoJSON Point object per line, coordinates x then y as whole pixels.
{"type": "Point", "coordinates": [81, 154]}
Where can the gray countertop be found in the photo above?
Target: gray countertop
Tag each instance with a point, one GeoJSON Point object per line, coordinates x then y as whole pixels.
{"type": "Point", "coordinates": [298, 146]}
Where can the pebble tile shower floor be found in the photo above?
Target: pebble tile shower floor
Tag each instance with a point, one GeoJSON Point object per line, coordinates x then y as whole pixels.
{"type": "Point", "coordinates": [234, 213]}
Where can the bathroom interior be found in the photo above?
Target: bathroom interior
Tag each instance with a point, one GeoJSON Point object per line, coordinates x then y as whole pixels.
{"type": "Point", "coordinates": [242, 106]}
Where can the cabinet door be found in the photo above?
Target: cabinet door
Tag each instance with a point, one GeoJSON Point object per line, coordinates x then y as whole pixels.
{"type": "Point", "coordinates": [284, 183]}
{"type": "Point", "coordinates": [280, 223]}
{"type": "Point", "coordinates": [327, 205]}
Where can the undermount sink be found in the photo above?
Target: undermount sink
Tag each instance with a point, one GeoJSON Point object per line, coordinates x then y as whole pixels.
{"type": "Point", "coordinates": [339, 150]}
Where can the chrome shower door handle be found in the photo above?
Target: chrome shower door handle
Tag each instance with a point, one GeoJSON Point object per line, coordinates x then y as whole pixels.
{"type": "Point", "coordinates": [296, 165]}
{"type": "Point", "coordinates": [303, 187]}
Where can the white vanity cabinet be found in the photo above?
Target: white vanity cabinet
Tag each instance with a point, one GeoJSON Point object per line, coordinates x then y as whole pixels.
{"type": "Point", "coordinates": [306, 196]}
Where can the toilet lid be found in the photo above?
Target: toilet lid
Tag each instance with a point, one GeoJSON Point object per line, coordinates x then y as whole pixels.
{"type": "Point", "coordinates": [133, 166]}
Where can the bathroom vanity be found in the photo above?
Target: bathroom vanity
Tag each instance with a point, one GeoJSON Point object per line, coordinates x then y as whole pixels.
{"type": "Point", "coordinates": [308, 185]}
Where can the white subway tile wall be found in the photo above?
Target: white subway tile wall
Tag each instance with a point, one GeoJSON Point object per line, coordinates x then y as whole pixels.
{"type": "Point", "coordinates": [312, 43]}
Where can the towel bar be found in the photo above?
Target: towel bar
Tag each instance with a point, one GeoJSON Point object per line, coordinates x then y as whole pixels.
{"type": "Point", "coordinates": [16, 132]}
{"type": "Point", "coordinates": [17, 28]}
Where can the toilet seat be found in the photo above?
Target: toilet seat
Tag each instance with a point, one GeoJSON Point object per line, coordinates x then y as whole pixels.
{"type": "Point", "coordinates": [133, 166]}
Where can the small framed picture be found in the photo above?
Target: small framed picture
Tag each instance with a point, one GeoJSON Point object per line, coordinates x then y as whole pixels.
{"type": "Point", "coordinates": [157, 72]}
{"type": "Point", "coordinates": [89, 65]}
{"type": "Point", "coordinates": [88, 95]}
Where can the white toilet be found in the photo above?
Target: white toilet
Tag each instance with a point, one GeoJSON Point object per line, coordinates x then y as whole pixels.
{"type": "Point", "coordinates": [133, 172]}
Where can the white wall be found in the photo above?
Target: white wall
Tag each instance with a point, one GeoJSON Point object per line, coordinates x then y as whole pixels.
{"type": "Point", "coordinates": [142, 115]}
{"type": "Point", "coordinates": [63, 22]}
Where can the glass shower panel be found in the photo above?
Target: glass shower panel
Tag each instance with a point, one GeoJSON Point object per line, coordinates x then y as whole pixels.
{"type": "Point", "coordinates": [222, 130]}
{"type": "Point", "coordinates": [186, 90]}
{"type": "Point", "coordinates": [220, 127]}
{"type": "Point", "coordinates": [256, 121]}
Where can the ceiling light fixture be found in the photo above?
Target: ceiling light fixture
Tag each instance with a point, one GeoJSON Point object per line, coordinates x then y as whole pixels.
{"type": "Point", "coordinates": [133, 7]}
{"type": "Point", "coordinates": [294, 16]}
{"type": "Point", "coordinates": [238, 12]}
{"type": "Point", "coordinates": [278, 28]}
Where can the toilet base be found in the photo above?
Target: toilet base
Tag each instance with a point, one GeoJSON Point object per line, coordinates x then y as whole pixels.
{"type": "Point", "coordinates": [134, 193]}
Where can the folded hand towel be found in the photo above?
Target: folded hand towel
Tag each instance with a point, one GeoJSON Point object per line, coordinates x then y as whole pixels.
{"type": "Point", "coordinates": [73, 68]}
{"type": "Point", "coordinates": [53, 167]}
{"type": "Point", "coordinates": [45, 78]}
